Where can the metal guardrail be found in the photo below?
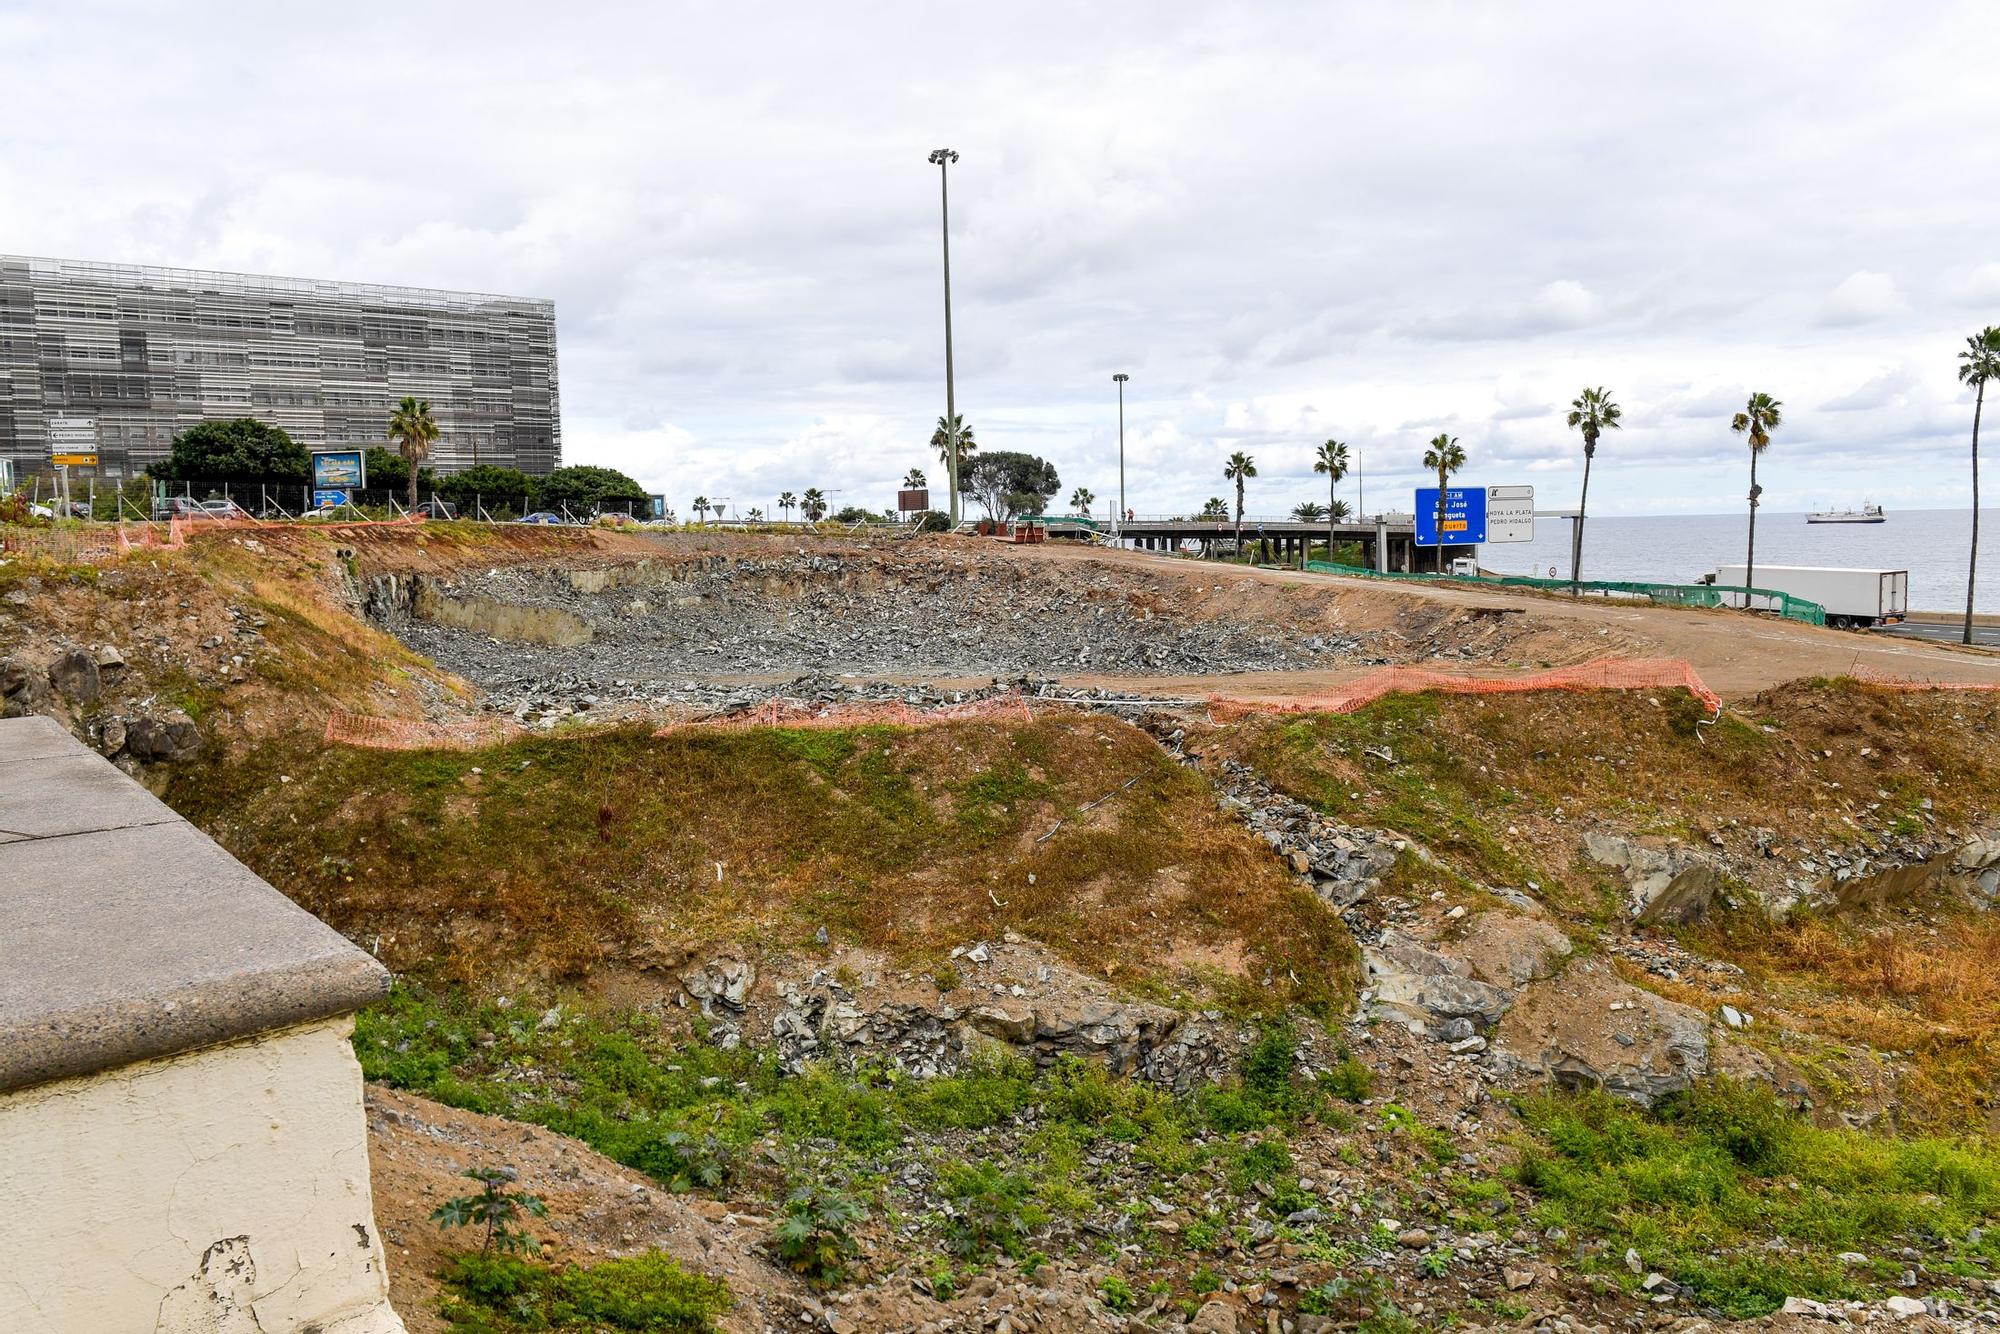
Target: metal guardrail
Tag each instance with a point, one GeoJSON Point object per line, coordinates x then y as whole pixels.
{"type": "Point", "coordinates": [1680, 595]}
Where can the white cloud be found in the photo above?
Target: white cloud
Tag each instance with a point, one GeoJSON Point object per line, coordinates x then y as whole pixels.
{"type": "Point", "coordinates": [1863, 298]}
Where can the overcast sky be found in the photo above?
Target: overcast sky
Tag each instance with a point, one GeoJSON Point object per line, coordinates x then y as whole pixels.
{"type": "Point", "coordinates": [1375, 222]}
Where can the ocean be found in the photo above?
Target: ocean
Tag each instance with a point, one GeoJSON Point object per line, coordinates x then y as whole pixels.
{"type": "Point", "coordinates": [1931, 544]}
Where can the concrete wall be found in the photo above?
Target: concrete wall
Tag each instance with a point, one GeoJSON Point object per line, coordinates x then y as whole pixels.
{"type": "Point", "coordinates": [220, 1191]}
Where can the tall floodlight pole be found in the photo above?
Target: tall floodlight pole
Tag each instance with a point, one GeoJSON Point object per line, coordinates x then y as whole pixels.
{"type": "Point", "coordinates": [1118, 519]}
{"type": "Point", "coordinates": [944, 157]}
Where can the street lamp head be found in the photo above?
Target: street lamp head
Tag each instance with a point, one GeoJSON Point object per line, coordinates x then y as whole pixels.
{"type": "Point", "coordinates": [1121, 377]}
{"type": "Point", "coordinates": [940, 156]}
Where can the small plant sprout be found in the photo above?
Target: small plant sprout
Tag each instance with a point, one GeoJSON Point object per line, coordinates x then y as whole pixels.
{"type": "Point", "coordinates": [495, 1208]}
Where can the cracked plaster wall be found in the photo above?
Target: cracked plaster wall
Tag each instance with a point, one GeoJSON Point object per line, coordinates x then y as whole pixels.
{"type": "Point", "coordinates": [221, 1190]}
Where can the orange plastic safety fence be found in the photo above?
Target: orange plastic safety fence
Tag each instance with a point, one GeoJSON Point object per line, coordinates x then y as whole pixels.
{"type": "Point", "coordinates": [1888, 682]}
{"type": "Point", "coordinates": [359, 729]}
{"type": "Point", "coordinates": [85, 546]}
{"type": "Point", "coordinates": [1599, 674]}
{"type": "Point", "coordinates": [892, 713]}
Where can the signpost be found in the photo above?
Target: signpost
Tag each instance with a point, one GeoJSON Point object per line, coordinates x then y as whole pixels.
{"type": "Point", "coordinates": [1510, 514]}
{"type": "Point", "coordinates": [1464, 516]}
{"type": "Point", "coordinates": [72, 444]}
{"type": "Point", "coordinates": [913, 501]}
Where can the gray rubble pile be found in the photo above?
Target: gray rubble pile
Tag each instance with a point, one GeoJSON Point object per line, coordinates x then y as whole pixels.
{"type": "Point", "coordinates": [653, 625]}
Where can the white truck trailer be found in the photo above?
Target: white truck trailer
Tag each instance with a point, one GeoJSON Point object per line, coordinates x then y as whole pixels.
{"type": "Point", "coordinates": [1852, 598]}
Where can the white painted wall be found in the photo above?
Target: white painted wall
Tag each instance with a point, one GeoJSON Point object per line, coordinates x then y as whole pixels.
{"type": "Point", "coordinates": [223, 1191]}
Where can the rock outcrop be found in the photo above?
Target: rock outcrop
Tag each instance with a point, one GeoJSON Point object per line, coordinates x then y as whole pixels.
{"type": "Point", "coordinates": [1668, 884]}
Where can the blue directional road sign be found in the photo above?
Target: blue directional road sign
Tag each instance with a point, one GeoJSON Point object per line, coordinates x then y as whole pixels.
{"type": "Point", "coordinates": [1464, 516]}
{"type": "Point", "coordinates": [329, 498]}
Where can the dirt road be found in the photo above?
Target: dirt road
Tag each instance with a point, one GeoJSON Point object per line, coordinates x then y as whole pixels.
{"type": "Point", "coordinates": [1737, 653]}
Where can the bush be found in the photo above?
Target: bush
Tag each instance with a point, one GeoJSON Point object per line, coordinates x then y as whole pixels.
{"type": "Point", "coordinates": [1350, 1080]}
{"type": "Point", "coordinates": [816, 1236]}
{"type": "Point", "coordinates": [931, 521]}
{"type": "Point", "coordinates": [993, 1209]}
{"type": "Point", "coordinates": [1117, 1294]}
{"type": "Point", "coordinates": [499, 1294]}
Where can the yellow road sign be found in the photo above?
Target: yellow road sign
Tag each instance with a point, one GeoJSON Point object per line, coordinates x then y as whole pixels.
{"type": "Point", "coordinates": [74, 460]}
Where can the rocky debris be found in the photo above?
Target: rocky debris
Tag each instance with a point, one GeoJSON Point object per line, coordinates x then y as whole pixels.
{"type": "Point", "coordinates": [23, 688]}
{"type": "Point", "coordinates": [160, 737]}
{"type": "Point", "coordinates": [1427, 992]}
{"type": "Point", "coordinates": [1343, 863]}
{"type": "Point", "coordinates": [111, 737]}
{"type": "Point", "coordinates": [1979, 860]}
{"type": "Point", "coordinates": [110, 662]}
{"type": "Point", "coordinates": [948, 616]}
{"type": "Point", "coordinates": [1668, 884]}
{"type": "Point", "coordinates": [1589, 1028]}
{"type": "Point", "coordinates": [724, 982]}
{"type": "Point", "coordinates": [74, 676]}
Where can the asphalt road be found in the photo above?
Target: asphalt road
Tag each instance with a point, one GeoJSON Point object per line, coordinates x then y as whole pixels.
{"type": "Point", "coordinates": [1950, 634]}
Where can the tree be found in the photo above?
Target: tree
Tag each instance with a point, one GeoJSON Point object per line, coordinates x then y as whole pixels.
{"type": "Point", "coordinates": [1007, 483]}
{"type": "Point", "coordinates": [913, 480]}
{"type": "Point", "coordinates": [1756, 422]}
{"type": "Point", "coordinates": [1080, 500]}
{"type": "Point", "coordinates": [941, 440]}
{"type": "Point", "coordinates": [241, 451]}
{"type": "Point", "coordinates": [414, 430]}
{"type": "Point", "coordinates": [700, 508]}
{"type": "Point", "coordinates": [1592, 413]}
{"type": "Point", "coordinates": [755, 515]}
{"type": "Point", "coordinates": [1331, 459]}
{"type": "Point", "coordinates": [1239, 467]}
{"type": "Point", "coordinates": [1215, 507]}
{"type": "Point", "coordinates": [482, 483]}
{"type": "Point", "coordinates": [584, 488]}
{"type": "Point", "coordinates": [785, 502]}
{"type": "Point", "coordinates": [1308, 511]}
{"type": "Point", "coordinates": [1981, 360]}
{"type": "Point", "coordinates": [1445, 457]}
{"type": "Point", "coordinates": [813, 505]}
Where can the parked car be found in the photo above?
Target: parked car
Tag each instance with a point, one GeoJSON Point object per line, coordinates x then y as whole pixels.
{"type": "Point", "coordinates": [542, 516]}
{"type": "Point", "coordinates": [184, 507]}
{"type": "Point", "coordinates": [437, 507]}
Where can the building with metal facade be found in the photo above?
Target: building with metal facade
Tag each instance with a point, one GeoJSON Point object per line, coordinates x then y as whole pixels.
{"type": "Point", "coordinates": [113, 360]}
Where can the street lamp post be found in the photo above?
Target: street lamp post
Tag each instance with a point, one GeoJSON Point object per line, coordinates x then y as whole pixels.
{"type": "Point", "coordinates": [943, 158]}
{"type": "Point", "coordinates": [1118, 519]}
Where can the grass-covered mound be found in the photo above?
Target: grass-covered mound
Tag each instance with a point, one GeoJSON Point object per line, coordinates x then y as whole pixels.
{"type": "Point", "coordinates": [552, 858]}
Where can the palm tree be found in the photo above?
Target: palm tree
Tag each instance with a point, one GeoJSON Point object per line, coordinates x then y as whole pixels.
{"type": "Point", "coordinates": [756, 515]}
{"type": "Point", "coordinates": [414, 430]}
{"type": "Point", "coordinates": [1331, 459]}
{"type": "Point", "coordinates": [1445, 457]}
{"type": "Point", "coordinates": [1309, 511]}
{"type": "Point", "coordinates": [1080, 500]}
{"type": "Point", "coordinates": [700, 508]}
{"type": "Point", "coordinates": [1982, 363]}
{"type": "Point", "coordinates": [1757, 420]}
{"type": "Point", "coordinates": [941, 442]}
{"type": "Point", "coordinates": [1593, 413]}
{"type": "Point", "coordinates": [913, 480]}
{"type": "Point", "coordinates": [785, 502]}
{"type": "Point", "coordinates": [813, 504]}
{"type": "Point", "coordinates": [1215, 507]}
{"type": "Point", "coordinates": [1239, 467]}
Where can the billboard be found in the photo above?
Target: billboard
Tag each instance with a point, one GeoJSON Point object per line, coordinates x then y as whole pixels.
{"type": "Point", "coordinates": [659, 506]}
{"type": "Point", "coordinates": [1510, 514]}
{"type": "Point", "coordinates": [911, 501]}
{"type": "Point", "coordinates": [339, 470]}
{"type": "Point", "coordinates": [1464, 516]}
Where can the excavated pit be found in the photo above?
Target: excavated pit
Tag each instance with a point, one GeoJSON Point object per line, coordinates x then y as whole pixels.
{"type": "Point", "coordinates": [681, 630]}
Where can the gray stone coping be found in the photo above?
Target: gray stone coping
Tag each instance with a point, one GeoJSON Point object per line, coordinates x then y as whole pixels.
{"type": "Point", "coordinates": [126, 933]}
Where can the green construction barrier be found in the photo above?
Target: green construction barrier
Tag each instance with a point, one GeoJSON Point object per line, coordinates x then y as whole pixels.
{"type": "Point", "coordinates": [1679, 595]}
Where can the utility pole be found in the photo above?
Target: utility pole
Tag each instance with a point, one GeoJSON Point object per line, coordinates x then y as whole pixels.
{"type": "Point", "coordinates": [944, 157]}
{"type": "Point", "coordinates": [1118, 519]}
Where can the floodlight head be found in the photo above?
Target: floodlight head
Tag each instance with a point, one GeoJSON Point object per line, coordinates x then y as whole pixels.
{"type": "Point", "coordinates": [1121, 377]}
{"type": "Point", "coordinates": [940, 156]}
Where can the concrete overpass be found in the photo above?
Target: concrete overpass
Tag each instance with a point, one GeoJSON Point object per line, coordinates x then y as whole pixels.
{"type": "Point", "coordinates": [1387, 542]}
